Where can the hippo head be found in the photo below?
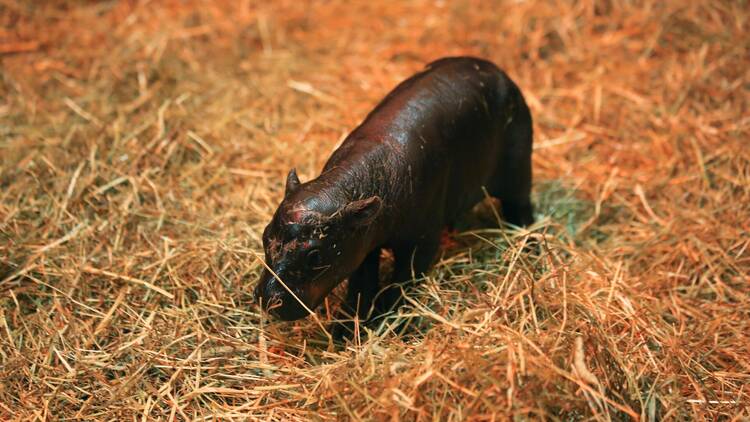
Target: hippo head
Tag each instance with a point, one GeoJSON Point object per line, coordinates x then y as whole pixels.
{"type": "Point", "coordinates": [314, 241]}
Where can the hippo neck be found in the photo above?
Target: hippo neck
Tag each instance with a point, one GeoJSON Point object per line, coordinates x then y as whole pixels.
{"type": "Point", "coordinates": [352, 177]}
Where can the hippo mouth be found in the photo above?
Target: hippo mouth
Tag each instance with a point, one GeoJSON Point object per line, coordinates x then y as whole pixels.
{"type": "Point", "coordinates": [277, 300]}
{"type": "Point", "coordinates": [288, 303]}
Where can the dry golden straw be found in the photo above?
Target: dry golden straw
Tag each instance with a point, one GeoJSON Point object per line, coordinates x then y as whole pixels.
{"type": "Point", "coordinates": [143, 146]}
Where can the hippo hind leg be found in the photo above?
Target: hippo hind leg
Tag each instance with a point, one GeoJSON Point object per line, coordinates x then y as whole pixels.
{"type": "Point", "coordinates": [512, 181]}
{"type": "Point", "coordinates": [518, 213]}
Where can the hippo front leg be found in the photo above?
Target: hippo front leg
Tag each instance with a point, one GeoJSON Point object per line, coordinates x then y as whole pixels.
{"type": "Point", "coordinates": [363, 286]}
{"type": "Point", "coordinates": [412, 260]}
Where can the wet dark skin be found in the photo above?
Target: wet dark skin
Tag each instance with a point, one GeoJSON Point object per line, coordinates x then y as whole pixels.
{"type": "Point", "coordinates": [417, 162]}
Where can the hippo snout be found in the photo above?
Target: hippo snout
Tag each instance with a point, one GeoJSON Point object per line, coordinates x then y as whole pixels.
{"type": "Point", "coordinates": [277, 300]}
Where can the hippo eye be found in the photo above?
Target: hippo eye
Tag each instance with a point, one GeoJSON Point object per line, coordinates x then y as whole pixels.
{"type": "Point", "coordinates": [313, 258]}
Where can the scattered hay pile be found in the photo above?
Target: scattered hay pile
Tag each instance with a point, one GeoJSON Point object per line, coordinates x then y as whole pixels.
{"type": "Point", "coordinates": [143, 145]}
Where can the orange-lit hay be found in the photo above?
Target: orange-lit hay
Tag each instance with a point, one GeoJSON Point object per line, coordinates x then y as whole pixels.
{"type": "Point", "coordinates": [143, 147]}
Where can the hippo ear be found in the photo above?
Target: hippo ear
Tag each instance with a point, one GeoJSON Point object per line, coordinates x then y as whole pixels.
{"type": "Point", "coordinates": [292, 182]}
{"type": "Point", "coordinates": [362, 211]}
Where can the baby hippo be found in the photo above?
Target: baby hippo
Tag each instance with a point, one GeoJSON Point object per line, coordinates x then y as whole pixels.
{"type": "Point", "coordinates": [418, 161]}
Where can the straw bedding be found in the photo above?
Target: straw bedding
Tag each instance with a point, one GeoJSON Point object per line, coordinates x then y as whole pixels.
{"type": "Point", "coordinates": [143, 147]}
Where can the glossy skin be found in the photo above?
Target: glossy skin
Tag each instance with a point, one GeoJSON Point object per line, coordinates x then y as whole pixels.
{"type": "Point", "coordinates": [418, 161]}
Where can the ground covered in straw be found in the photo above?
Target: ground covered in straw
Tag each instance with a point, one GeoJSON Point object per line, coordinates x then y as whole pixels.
{"type": "Point", "coordinates": [143, 147]}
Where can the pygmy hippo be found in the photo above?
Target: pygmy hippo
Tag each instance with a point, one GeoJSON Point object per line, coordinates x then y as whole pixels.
{"type": "Point", "coordinates": [419, 160]}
